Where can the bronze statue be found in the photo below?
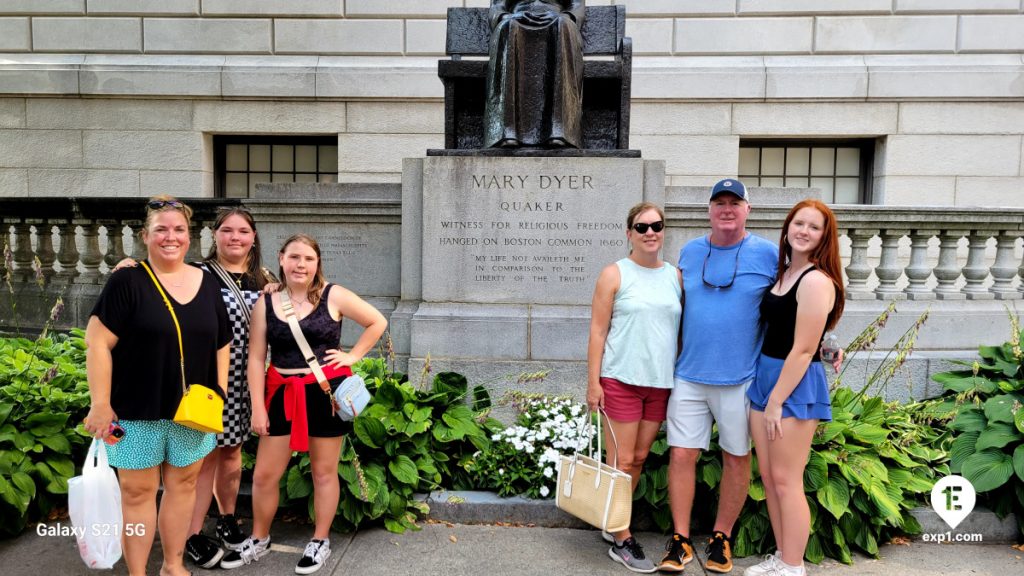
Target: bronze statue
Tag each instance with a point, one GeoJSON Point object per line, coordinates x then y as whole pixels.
{"type": "Point", "coordinates": [535, 75]}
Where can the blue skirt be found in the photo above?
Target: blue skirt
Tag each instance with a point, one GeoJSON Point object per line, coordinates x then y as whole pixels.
{"type": "Point", "coordinates": [809, 400]}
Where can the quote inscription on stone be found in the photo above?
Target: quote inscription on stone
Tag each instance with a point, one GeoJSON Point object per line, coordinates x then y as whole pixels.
{"type": "Point", "coordinates": [534, 230]}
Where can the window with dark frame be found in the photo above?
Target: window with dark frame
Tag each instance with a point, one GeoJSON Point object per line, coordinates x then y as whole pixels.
{"type": "Point", "coordinates": [240, 162]}
{"type": "Point", "coordinates": [841, 169]}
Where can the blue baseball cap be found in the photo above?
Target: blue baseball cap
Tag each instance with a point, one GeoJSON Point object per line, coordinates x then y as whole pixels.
{"type": "Point", "coordinates": [731, 186]}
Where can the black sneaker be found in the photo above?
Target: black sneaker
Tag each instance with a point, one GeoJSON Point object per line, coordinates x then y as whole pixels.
{"type": "Point", "coordinates": [250, 551]}
{"type": "Point", "coordinates": [229, 532]}
{"type": "Point", "coordinates": [719, 553]}
{"type": "Point", "coordinates": [317, 552]}
{"type": "Point", "coordinates": [678, 553]}
{"type": "Point", "coordinates": [203, 551]}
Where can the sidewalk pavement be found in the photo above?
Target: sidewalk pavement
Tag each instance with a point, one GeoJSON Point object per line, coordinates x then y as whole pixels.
{"type": "Point", "coordinates": [456, 550]}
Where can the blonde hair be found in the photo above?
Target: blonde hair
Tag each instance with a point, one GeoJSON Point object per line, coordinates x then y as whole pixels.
{"type": "Point", "coordinates": [313, 294]}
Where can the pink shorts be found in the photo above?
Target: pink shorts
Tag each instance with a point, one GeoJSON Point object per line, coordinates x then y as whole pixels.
{"type": "Point", "coordinates": [629, 403]}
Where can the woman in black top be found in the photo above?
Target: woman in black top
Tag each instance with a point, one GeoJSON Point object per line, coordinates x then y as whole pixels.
{"type": "Point", "coordinates": [290, 410]}
{"type": "Point", "coordinates": [790, 394]}
{"type": "Point", "coordinates": [134, 372]}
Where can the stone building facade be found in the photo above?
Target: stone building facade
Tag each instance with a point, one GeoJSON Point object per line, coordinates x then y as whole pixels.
{"type": "Point", "coordinates": [892, 102]}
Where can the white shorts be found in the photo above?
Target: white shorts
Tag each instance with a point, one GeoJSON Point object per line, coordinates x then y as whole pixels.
{"type": "Point", "coordinates": [692, 407]}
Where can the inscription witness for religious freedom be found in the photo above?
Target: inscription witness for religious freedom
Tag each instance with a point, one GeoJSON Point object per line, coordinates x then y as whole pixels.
{"type": "Point", "coordinates": [535, 74]}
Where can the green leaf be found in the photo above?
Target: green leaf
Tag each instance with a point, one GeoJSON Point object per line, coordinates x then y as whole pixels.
{"type": "Point", "coordinates": [988, 469]}
{"type": "Point", "coordinates": [963, 383]}
{"type": "Point", "coordinates": [756, 490]}
{"type": "Point", "coordinates": [57, 442]}
{"type": "Point", "coordinates": [297, 485]}
{"type": "Point", "coordinates": [835, 496]}
{"type": "Point", "coordinates": [62, 465]}
{"type": "Point", "coordinates": [404, 470]}
{"type": "Point", "coordinates": [1018, 463]}
{"type": "Point", "coordinates": [814, 552]}
{"type": "Point", "coordinates": [5, 411]}
{"type": "Point", "coordinates": [481, 399]}
{"type": "Point", "coordinates": [969, 420]}
{"type": "Point", "coordinates": [997, 435]}
{"type": "Point", "coordinates": [961, 449]}
{"type": "Point", "coordinates": [815, 473]}
{"type": "Point", "coordinates": [1000, 408]}
{"type": "Point", "coordinates": [452, 384]}
{"type": "Point", "coordinates": [882, 501]}
{"type": "Point", "coordinates": [828, 431]}
{"type": "Point", "coordinates": [46, 423]}
{"type": "Point", "coordinates": [1018, 420]}
{"type": "Point", "coordinates": [25, 484]}
{"type": "Point", "coordinates": [370, 431]}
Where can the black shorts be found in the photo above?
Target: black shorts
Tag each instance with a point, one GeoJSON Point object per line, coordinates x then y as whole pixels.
{"type": "Point", "coordinates": [322, 423]}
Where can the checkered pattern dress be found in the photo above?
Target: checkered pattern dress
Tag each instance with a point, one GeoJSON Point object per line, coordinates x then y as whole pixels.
{"type": "Point", "coordinates": [237, 409]}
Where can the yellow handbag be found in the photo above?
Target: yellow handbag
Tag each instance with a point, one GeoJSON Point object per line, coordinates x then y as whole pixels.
{"type": "Point", "coordinates": [201, 408]}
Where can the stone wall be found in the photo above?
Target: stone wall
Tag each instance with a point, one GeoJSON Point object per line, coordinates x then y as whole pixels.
{"type": "Point", "coordinates": [120, 98]}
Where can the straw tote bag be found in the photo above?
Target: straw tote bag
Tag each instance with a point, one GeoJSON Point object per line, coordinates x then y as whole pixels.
{"type": "Point", "coordinates": [592, 491]}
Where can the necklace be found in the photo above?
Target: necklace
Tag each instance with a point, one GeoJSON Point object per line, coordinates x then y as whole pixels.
{"type": "Point", "coordinates": [296, 302]}
{"type": "Point", "coordinates": [170, 278]}
{"type": "Point", "coordinates": [237, 277]}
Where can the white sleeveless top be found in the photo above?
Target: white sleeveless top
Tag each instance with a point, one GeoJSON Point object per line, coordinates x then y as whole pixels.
{"type": "Point", "coordinates": [642, 339]}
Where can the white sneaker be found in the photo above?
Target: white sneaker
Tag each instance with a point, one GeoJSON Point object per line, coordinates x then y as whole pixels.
{"type": "Point", "coordinates": [768, 567]}
{"type": "Point", "coordinates": [249, 551]}
{"type": "Point", "coordinates": [314, 556]}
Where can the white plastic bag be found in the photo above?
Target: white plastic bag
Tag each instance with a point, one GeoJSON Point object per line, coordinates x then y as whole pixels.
{"type": "Point", "coordinates": [94, 502]}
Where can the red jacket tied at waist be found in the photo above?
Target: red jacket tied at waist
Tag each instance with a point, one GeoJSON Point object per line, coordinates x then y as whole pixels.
{"type": "Point", "coordinates": [295, 400]}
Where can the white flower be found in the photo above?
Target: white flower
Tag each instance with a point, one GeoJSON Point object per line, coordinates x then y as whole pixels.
{"type": "Point", "coordinates": [548, 472]}
{"type": "Point", "coordinates": [544, 491]}
{"type": "Point", "coordinates": [530, 449]}
{"type": "Point", "coordinates": [501, 471]}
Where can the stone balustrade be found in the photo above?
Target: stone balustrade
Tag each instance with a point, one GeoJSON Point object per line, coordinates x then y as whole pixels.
{"type": "Point", "coordinates": [889, 252]}
{"type": "Point", "coordinates": [88, 233]}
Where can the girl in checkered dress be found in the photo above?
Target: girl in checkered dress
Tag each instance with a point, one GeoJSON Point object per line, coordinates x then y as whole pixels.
{"type": "Point", "coordinates": [234, 259]}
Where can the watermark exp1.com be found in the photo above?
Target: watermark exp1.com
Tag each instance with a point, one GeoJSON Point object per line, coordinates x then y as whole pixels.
{"type": "Point", "coordinates": [943, 538]}
{"type": "Point", "coordinates": [953, 499]}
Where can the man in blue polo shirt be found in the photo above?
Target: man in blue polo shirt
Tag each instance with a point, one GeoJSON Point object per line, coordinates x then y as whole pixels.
{"type": "Point", "coordinates": [725, 274]}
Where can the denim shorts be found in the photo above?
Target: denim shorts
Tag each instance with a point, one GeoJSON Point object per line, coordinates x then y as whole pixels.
{"type": "Point", "coordinates": [148, 443]}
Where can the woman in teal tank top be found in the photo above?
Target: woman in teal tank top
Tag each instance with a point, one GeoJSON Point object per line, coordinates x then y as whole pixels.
{"type": "Point", "coordinates": [634, 339]}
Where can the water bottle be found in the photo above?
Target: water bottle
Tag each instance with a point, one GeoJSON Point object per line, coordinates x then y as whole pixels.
{"type": "Point", "coordinates": [830, 347]}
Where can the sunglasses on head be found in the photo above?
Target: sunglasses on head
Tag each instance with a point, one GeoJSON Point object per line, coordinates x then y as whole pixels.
{"type": "Point", "coordinates": [158, 204]}
{"type": "Point", "coordinates": [641, 227]}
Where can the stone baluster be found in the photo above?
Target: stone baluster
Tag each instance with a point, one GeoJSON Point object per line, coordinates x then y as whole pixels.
{"type": "Point", "coordinates": [195, 248]}
{"type": "Point", "coordinates": [44, 248]}
{"type": "Point", "coordinates": [976, 272]}
{"type": "Point", "coordinates": [859, 270]}
{"type": "Point", "coordinates": [115, 243]}
{"type": "Point", "coordinates": [91, 257]}
{"type": "Point", "coordinates": [918, 271]}
{"type": "Point", "coordinates": [5, 238]}
{"type": "Point", "coordinates": [947, 272]}
{"type": "Point", "coordinates": [22, 252]}
{"type": "Point", "coordinates": [138, 248]}
{"type": "Point", "coordinates": [1004, 268]}
{"type": "Point", "coordinates": [68, 252]}
{"type": "Point", "coordinates": [889, 270]}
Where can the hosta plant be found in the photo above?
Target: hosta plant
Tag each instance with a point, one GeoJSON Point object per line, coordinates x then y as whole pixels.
{"type": "Point", "coordinates": [408, 440]}
{"type": "Point", "coordinates": [988, 399]}
{"type": "Point", "coordinates": [43, 398]}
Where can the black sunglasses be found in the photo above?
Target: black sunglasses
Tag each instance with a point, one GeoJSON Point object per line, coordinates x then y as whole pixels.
{"type": "Point", "coordinates": [736, 267]}
{"type": "Point", "coordinates": [158, 204]}
{"type": "Point", "coordinates": [641, 227]}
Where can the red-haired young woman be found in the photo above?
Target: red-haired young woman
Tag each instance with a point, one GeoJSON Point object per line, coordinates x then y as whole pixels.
{"type": "Point", "coordinates": [790, 393]}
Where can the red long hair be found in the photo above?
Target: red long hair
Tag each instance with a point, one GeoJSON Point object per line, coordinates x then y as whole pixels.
{"type": "Point", "coordinates": [825, 256]}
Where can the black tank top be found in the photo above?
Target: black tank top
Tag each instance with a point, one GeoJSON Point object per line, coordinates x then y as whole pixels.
{"type": "Point", "coordinates": [321, 331]}
{"type": "Point", "coordinates": [779, 313]}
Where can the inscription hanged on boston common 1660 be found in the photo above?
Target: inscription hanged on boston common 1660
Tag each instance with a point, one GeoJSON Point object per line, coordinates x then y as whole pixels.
{"type": "Point", "coordinates": [523, 230]}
